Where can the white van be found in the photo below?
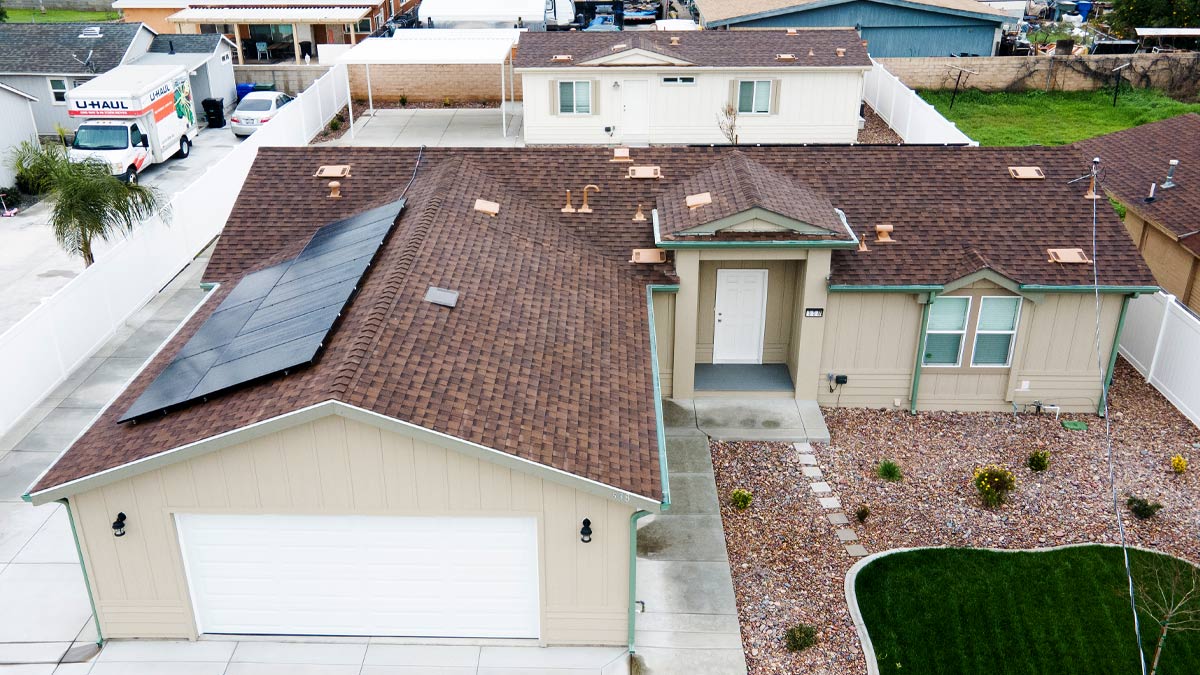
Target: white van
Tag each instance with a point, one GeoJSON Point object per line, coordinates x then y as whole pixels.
{"type": "Point", "coordinates": [134, 116]}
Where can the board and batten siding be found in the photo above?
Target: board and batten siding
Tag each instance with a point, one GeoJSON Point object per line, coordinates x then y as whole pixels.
{"type": "Point", "coordinates": [781, 301]}
{"type": "Point", "coordinates": [332, 466]}
{"type": "Point", "coordinates": [873, 339]}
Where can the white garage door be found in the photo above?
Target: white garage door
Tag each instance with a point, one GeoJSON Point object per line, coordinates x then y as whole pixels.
{"type": "Point", "coordinates": [362, 575]}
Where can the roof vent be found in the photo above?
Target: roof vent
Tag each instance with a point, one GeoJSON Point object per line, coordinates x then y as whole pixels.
{"type": "Point", "coordinates": [648, 256]}
{"type": "Point", "coordinates": [883, 233]}
{"type": "Point", "coordinates": [792, 31]}
{"type": "Point", "coordinates": [561, 58]}
{"type": "Point", "coordinates": [441, 296]}
{"type": "Point", "coordinates": [645, 172]}
{"type": "Point", "coordinates": [335, 189]}
{"type": "Point", "coordinates": [841, 52]}
{"type": "Point", "coordinates": [621, 155]}
{"type": "Point", "coordinates": [91, 32]}
{"type": "Point", "coordinates": [697, 200]}
{"type": "Point", "coordinates": [1171, 166]}
{"type": "Point", "coordinates": [332, 171]}
{"type": "Point", "coordinates": [639, 217]}
{"type": "Point", "coordinates": [811, 52]}
{"type": "Point", "coordinates": [620, 47]}
{"type": "Point", "coordinates": [675, 41]}
{"type": "Point", "coordinates": [484, 206]}
{"type": "Point", "coordinates": [1026, 172]}
{"type": "Point", "coordinates": [1067, 255]}
{"type": "Point", "coordinates": [785, 57]}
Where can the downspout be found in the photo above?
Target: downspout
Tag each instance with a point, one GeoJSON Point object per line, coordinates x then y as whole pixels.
{"type": "Point", "coordinates": [1101, 410]}
{"type": "Point", "coordinates": [916, 383]}
{"type": "Point", "coordinates": [661, 438]}
{"type": "Point", "coordinates": [86, 582]}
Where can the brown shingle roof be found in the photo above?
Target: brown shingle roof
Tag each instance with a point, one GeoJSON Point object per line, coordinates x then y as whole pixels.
{"type": "Point", "coordinates": [721, 12]}
{"type": "Point", "coordinates": [1134, 158]}
{"type": "Point", "coordinates": [547, 354]}
{"type": "Point", "coordinates": [732, 49]}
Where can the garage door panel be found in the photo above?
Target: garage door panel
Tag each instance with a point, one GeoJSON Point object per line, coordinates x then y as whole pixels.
{"type": "Point", "coordinates": [363, 575]}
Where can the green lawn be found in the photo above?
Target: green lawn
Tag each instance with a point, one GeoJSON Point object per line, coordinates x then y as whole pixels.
{"type": "Point", "coordinates": [58, 16]}
{"type": "Point", "coordinates": [1052, 118]}
{"type": "Point", "coordinates": [955, 611]}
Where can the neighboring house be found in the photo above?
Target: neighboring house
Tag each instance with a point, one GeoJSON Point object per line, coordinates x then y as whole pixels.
{"type": "Point", "coordinates": [209, 58]}
{"type": "Point", "coordinates": [458, 443]}
{"type": "Point", "coordinates": [1167, 228]}
{"type": "Point", "coordinates": [46, 60]}
{"type": "Point", "coordinates": [671, 87]}
{"type": "Point", "coordinates": [891, 28]}
{"type": "Point", "coordinates": [16, 109]}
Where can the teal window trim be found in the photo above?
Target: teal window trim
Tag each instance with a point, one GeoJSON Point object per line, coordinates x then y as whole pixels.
{"type": "Point", "coordinates": [87, 583]}
{"type": "Point", "coordinates": [916, 381]}
{"type": "Point", "coordinates": [981, 331]}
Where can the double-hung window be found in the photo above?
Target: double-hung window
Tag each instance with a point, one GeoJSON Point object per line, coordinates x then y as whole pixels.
{"type": "Point", "coordinates": [945, 330]}
{"type": "Point", "coordinates": [58, 89]}
{"type": "Point", "coordinates": [575, 97]}
{"type": "Point", "coordinates": [994, 330]}
{"type": "Point", "coordinates": [754, 97]}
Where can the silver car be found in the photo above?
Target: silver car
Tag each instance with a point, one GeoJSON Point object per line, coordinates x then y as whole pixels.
{"type": "Point", "coordinates": [256, 109]}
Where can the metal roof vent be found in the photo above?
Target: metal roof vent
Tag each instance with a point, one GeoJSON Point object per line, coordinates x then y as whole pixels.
{"type": "Point", "coordinates": [561, 58]}
{"type": "Point", "coordinates": [883, 233]}
{"type": "Point", "coordinates": [645, 172]}
{"type": "Point", "coordinates": [1067, 256]}
{"type": "Point", "coordinates": [674, 41]}
{"type": "Point", "coordinates": [621, 155]}
{"type": "Point", "coordinates": [1171, 166]}
{"type": "Point", "coordinates": [333, 171]}
{"type": "Point", "coordinates": [335, 189]}
{"type": "Point", "coordinates": [792, 31]}
{"type": "Point", "coordinates": [697, 200]}
{"type": "Point", "coordinates": [648, 256]}
{"type": "Point", "coordinates": [441, 296]}
{"type": "Point", "coordinates": [484, 206]}
{"type": "Point", "coordinates": [1026, 172]}
{"type": "Point", "coordinates": [620, 47]}
{"type": "Point", "coordinates": [91, 32]}
{"type": "Point", "coordinates": [785, 57]}
{"type": "Point", "coordinates": [841, 52]}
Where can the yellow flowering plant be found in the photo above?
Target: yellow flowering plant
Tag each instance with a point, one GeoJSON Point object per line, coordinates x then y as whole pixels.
{"type": "Point", "coordinates": [994, 482]}
{"type": "Point", "coordinates": [1179, 464]}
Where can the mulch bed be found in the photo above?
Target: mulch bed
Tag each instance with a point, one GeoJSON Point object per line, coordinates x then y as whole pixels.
{"type": "Point", "coordinates": [788, 566]}
{"type": "Point", "coordinates": [877, 131]}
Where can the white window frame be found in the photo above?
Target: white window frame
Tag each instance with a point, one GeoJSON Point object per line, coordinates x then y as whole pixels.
{"type": "Point", "coordinates": [574, 98]}
{"type": "Point", "coordinates": [754, 96]}
{"type": "Point", "coordinates": [1012, 341]}
{"type": "Point", "coordinates": [679, 80]}
{"type": "Point", "coordinates": [53, 92]}
{"type": "Point", "coordinates": [961, 343]}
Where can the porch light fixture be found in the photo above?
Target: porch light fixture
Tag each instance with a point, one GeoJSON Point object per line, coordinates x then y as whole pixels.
{"type": "Point", "coordinates": [585, 533]}
{"type": "Point", "coordinates": [119, 525]}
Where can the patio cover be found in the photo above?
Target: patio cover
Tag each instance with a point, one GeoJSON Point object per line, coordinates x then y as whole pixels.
{"type": "Point", "coordinates": [1168, 32]}
{"type": "Point", "coordinates": [306, 14]}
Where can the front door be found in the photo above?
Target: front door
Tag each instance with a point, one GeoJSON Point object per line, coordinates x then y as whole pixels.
{"type": "Point", "coordinates": [741, 312]}
{"type": "Point", "coordinates": [635, 111]}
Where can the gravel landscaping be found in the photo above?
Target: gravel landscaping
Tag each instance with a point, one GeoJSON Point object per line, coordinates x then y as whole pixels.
{"type": "Point", "coordinates": [788, 566]}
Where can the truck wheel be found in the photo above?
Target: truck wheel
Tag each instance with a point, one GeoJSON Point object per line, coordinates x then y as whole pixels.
{"type": "Point", "coordinates": [185, 147]}
{"type": "Point", "coordinates": [130, 176]}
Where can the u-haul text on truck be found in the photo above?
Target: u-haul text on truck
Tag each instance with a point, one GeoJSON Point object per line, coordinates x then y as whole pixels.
{"type": "Point", "coordinates": [134, 116]}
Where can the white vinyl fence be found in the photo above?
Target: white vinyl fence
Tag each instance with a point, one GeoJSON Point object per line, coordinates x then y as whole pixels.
{"type": "Point", "coordinates": [1161, 339]}
{"type": "Point", "coordinates": [39, 352]}
{"type": "Point", "coordinates": [906, 113]}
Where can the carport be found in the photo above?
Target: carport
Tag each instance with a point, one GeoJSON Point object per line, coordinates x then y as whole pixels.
{"type": "Point", "coordinates": [439, 47]}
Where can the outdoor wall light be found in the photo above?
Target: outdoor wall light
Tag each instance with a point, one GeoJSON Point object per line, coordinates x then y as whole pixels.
{"type": "Point", "coordinates": [119, 525]}
{"type": "Point", "coordinates": [585, 533]}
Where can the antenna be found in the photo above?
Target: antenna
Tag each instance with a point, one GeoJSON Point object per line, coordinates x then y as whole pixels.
{"type": "Point", "coordinates": [1091, 193]}
{"type": "Point", "coordinates": [86, 63]}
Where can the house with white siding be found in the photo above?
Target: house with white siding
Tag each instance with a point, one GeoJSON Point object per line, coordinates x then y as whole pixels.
{"type": "Point", "coordinates": [16, 109]}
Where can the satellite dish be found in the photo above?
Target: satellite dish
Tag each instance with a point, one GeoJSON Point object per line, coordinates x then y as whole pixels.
{"type": "Point", "coordinates": [86, 63]}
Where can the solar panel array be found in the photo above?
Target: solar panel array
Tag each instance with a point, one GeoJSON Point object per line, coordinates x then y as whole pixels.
{"type": "Point", "coordinates": [275, 319]}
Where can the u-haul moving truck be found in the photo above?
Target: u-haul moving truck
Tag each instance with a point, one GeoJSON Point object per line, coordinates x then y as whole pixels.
{"type": "Point", "coordinates": [134, 116]}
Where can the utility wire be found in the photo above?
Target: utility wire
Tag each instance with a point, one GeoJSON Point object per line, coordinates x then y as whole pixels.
{"type": "Point", "coordinates": [1104, 384]}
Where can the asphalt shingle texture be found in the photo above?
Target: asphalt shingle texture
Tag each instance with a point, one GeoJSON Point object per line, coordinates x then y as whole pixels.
{"type": "Point", "coordinates": [200, 43]}
{"type": "Point", "coordinates": [53, 48]}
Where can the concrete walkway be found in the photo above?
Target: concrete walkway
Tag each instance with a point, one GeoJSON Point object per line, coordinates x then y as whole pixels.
{"type": "Point", "coordinates": [450, 127]}
{"type": "Point", "coordinates": [757, 419]}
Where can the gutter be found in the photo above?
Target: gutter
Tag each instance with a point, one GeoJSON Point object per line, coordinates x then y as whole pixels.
{"type": "Point", "coordinates": [1043, 288]}
{"type": "Point", "coordinates": [914, 288]}
{"type": "Point", "coordinates": [1101, 408]}
{"type": "Point", "coordinates": [86, 582]}
{"type": "Point", "coordinates": [661, 437]}
{"type": "Point", "coordinates": [916, 383]}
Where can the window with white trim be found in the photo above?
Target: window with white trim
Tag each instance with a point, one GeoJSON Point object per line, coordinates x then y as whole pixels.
{"type": "Point", "coordinates": [945, 330]}
{"type": "Point", "coordinates": [679, 79]}
{"type": "Point", "coordinates": [58, 90]}
{"type": "Point", "coordinates": [575, 97]}
{"type": "Point", "coordinates": [754, 97]}
{"type": "Point", "coordinates": [994, 331]}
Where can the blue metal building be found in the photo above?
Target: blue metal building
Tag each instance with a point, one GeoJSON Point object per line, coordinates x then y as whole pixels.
{"type": "Point", "coordinates": [892, 28]}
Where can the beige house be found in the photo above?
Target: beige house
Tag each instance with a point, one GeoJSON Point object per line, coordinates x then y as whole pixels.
{"type": "Point", "coordinates": [430, 406]}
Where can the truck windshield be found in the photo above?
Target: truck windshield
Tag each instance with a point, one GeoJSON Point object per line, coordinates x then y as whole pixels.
{"type": "Point", "coordinates": [101, 138]}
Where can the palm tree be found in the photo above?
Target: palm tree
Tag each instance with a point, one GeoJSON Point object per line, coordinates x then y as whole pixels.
{"type": "Point", "coordinates": [88, 201]}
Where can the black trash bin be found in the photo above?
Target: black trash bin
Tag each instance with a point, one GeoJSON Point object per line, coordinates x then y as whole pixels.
{"type": "Point", "coordinates": [306, 49]}
{"type": "Point", "coordinates": [214, 112]}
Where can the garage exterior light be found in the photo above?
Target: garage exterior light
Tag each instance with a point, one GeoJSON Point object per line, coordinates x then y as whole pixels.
{"type": "Point", "coordinates": [119, 525]}
{"type": "Point", "coordinates": [585, 533]}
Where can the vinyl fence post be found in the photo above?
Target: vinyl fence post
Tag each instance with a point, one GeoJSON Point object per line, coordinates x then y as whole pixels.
{"type": "Point", "coordinates": [1169, 301]}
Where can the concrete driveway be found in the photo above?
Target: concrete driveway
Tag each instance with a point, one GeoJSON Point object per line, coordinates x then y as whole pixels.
{"type": "Point", "coordinates": [451, 127]}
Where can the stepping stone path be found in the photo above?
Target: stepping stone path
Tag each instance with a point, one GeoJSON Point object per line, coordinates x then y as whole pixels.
{"type": "Point", "coordinates": [824, 493]}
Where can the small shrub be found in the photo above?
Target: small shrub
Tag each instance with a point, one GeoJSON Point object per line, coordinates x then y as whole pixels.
{"type": "Point", "coordinates": [1141, 508]}
{"type": "Point", "coordinates": [1039, 460]}
{"type": "Point", "coordinates": [888, 470]}
{"type": "Point", "coordinates": [862, 512]}
{"type": "Point", "coordinates": [800, 637]}
{"type": "Point", "coordinates": [446, 102]}
{"type": "Point", "coordinates": [12, 196]}
{"type": "Point", "coordinates": [740, 499]}
{"type": "Point", "coordinates": [994, 482]}
{"type": "Point", "coordinates": [1179, 464]}
{"type": "Point", "coordinates": [335, 124]}
{"type": "Point", "coordinates": [403, 101]}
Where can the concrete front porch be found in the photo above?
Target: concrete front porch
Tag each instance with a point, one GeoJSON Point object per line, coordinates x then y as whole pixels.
{"type": "Point", "coordinates": [766, 378]}
{"type": "Point", "coordinates": [754, 419]}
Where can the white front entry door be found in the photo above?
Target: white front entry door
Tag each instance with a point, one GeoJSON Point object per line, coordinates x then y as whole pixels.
{"type": "Point", "coordinates": [635, 110]}
{"type": "Point", "coordinates": [467, 577]}
{"type": "Point", "coordinates": [740, 316]}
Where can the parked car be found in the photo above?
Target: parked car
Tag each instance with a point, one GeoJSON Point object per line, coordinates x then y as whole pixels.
{"type": "Point", "coordinates": [256, 109]}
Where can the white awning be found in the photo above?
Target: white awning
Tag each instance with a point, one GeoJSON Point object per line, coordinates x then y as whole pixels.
{"type": "Point", "coordinates": [189, 60]}
{"type": "Point", "coordinates": [1168, 32]}
{"type": "Point", "coordinates": [505, 11]}
{"type": "Point", "coordinates": [431, 49]}
{"type": "Point", "coordinates": [270, 14]}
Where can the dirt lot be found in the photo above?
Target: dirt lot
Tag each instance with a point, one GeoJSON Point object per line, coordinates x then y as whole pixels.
{"type": "Point", "coordinates": [789, 568]}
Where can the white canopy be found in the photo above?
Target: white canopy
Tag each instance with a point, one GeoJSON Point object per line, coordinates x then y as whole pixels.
{"type": "Point", "coordinates": [270, 14]}
{"type": "Point", "coordinates": [1168, 32]}
{"type": "Point", "coordinates": [481, 12]}
{"type": "Point", "coordinates": [434, 47]}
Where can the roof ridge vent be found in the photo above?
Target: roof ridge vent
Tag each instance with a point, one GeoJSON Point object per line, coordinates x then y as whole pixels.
{"type": "Point", "coordinates": [91, 32]}
{"type": "Point", "coordinates": [488, 207]}
{"type": "Point", "coordinates": [1026, 172]}
{"type": "Point", "coordinates": [1067, 256]}
{"type": "Point", "coordinates": [561, 58]}
{"type": "Point", "coordinates": [645, 172]}
{"type": "Point", "coordinates": [785, 57]}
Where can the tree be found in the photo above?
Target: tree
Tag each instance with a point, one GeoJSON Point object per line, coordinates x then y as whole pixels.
{"type": "Point", "coordinates": [1168, 590]}
{"type": "Point", "coordinates": [88, 201]}
{"type": "Point", "coordinates": [727, 121]}
{"type": "Point", "coordinates": [1129, 14]}
{"type": "Point", "coordinates": [3, 12]}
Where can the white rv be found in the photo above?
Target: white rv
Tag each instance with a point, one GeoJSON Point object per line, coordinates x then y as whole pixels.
{"type": "Point", "coordinates": [134, 116]}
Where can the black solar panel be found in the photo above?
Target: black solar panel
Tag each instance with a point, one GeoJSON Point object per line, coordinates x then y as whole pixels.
{"type": "Point", "coordinates": [274, 319]}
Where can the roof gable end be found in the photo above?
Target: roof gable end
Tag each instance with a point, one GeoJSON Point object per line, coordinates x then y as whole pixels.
{"type": "Point", "coordinates": [636, 56]}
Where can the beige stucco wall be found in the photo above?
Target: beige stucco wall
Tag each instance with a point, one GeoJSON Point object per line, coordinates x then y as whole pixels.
{"type": "Point", "coordinates": [781, 299]}
{"type": "Point", "coordinates": [336, 465]}
{"type": "Point", "coordinates": [156, 18]}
